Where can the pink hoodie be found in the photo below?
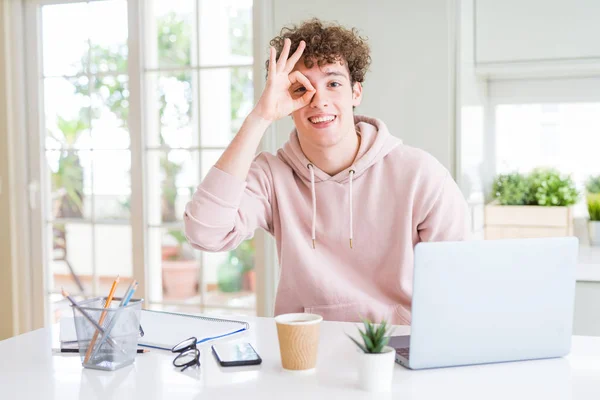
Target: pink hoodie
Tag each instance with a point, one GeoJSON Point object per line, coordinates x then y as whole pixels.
{"type": "Point", "coordinates": [365, 222]}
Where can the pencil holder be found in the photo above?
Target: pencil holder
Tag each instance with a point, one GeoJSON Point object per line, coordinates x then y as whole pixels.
{"type": "Point", "coordinates": [116, 346]}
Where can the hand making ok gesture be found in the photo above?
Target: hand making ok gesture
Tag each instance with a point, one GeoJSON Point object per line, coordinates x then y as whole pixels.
{"type": "Point", "coordinates": [276, 100]}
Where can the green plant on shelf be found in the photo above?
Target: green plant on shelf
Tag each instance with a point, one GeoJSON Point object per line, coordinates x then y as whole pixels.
{"type": "Point", "coordinates": [550, 188]}
{"type": "Point", "coordinates": [593, 184]}
{"type": "Point", "coordinates": [592, 188]}
{"type": "Point", "coordinates": [512, 190]}
{"type": "Point", "coordinates": [542, 187]}
{"type": "Point", "coordinates": [593, 204]}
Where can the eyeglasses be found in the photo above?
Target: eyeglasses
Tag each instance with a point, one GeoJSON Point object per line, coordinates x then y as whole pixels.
{"type": "Point", "coordinates": [188, 354]}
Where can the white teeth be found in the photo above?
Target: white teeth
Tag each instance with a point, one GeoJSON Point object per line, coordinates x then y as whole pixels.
{"type": "Point", "coordinates": [316, 120]}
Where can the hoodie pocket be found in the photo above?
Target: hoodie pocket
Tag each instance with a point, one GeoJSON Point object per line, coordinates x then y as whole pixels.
{"type": "Point", "coordinates": [336, 312]}
{"type": "Point", "coordinates": [353, 312]}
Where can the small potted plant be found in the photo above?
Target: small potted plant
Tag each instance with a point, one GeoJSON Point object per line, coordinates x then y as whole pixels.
{"type": "Point", "coordinates": [593, 202]}
{"type": "Point", "coordinates": [376, 357]}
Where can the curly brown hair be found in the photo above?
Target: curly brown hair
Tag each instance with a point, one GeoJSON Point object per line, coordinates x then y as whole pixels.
{"type": "Point", "coordinates": [326, 44]}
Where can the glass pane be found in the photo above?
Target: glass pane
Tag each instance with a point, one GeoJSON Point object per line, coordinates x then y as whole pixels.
{"type": "Point", "coordinates": [209, 158]}
{"type": "Point", "coordinates": [174, 109]}
{"type": "Point", "coordinates": [70, 182]}
{"type": "Point", "coordinates": [229, 278]}
{"type": "Point", "coordinates": [173, 28]}
{"type": "Point", "coordinates": [223, 110]}
{"type": "Point", "coordinates": [112, 184]}
{"type": "Point", "coordinates": [66, 105]}
{"type": "Point", "coordinates": [113, 252]}
{"type": "Point", "coordinates": [65, 34]}
{"type": "Point", "coordinates": [179, 177]}
{"type": "Point", "coordinates": [108, 41]}
{"type": "Point", "coordinates": [226, 32]}
{"type": "Point", "coordinates": [562, 136]}
{"type": "Point", "coordinates": [179, 269]}
{"type": "Point", "coordinates": [71, 258]}
{"type": "Point", "coordinates": [110, 108]}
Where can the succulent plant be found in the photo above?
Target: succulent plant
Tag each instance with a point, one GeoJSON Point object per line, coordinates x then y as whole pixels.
{"type": "Point", "coordinates": [374, 338]}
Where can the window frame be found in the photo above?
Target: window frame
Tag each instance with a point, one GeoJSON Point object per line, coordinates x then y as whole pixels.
{"type": "Point", "coordinates": [266, 260]}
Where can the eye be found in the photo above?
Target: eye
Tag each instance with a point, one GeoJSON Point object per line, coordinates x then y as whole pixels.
{"type": "Point", "coordinates": [335, 84]}
{"type": "Point", "coordinates": [299, 89]}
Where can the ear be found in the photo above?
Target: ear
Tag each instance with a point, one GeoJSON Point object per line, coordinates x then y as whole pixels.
{"type": "Point", "coordinates": [356, 94]}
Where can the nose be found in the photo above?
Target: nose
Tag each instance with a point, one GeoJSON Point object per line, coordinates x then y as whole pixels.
{"type": "Point", "coordinates": [319, 99]}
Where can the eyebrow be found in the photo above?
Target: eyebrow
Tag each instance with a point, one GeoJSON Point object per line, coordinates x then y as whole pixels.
{"type": "Point", "coordinates": [335, 73]}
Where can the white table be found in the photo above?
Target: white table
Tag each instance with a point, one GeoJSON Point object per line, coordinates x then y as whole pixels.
{"type": "Point", "coordinates": [29, 370]}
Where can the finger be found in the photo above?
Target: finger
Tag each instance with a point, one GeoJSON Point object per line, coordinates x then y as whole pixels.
{"type": "Point", "coordinates": [284, 54]}
{"type": "Point", "coordinates": [272, 65]}
{"type": "Point", "coordinates": [291, 63]}
{"type": "Point", "coordinates": [305, 99]}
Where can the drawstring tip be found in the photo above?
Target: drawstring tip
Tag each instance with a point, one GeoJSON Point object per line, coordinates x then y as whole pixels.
{"type": "Point", "coordinates": [313, 243]}
{"type": "Point", "coordinates": [350, 243]}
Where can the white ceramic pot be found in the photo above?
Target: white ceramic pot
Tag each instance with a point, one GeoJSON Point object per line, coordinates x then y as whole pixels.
{"type": "Point", "coordinates": [376, 370]}
{"type": "Point", "coordinates": [594, 232]}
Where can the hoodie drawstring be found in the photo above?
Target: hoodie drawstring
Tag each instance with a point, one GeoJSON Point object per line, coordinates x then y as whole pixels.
{"type": "Point", "coordinates": [314, 204]}
{"type": "Point", "coordinates": [352, 172]}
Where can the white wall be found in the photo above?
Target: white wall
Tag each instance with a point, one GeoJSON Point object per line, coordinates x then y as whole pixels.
{"type": "Point", "coordinates": [537, 30]}
{"type": "Point", "coordinates": [410, 85]}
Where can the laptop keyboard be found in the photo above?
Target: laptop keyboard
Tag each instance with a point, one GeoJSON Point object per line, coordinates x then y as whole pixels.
{"type": "Point", "coordinates": [404, 352]}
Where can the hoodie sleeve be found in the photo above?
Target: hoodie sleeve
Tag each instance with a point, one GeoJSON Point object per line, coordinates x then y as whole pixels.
{"type": "Point", "coordinates": [225, 210]}
{"type": "Point", "coordinates": [448, 218]}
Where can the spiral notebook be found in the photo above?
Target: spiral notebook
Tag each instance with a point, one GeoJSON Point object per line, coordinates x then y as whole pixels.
{"type": "Point", "coordinates": [163, 330]}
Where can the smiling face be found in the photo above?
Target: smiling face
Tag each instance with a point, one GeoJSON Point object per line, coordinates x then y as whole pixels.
{"type": "Point", "coordinates": [328, 119]}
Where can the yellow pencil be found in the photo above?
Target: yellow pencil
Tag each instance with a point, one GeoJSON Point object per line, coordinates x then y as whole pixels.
{"type": "Point", "coordinates": [102, 317]}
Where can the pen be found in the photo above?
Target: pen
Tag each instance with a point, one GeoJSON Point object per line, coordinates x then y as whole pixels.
{"type": "Point", "coordinates": [56, 351]}
{"type": "Point", "coordinates": [125, 301]}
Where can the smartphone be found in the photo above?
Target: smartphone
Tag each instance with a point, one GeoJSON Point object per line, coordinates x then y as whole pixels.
{"type": "Point", "coordinates": [235, 354]}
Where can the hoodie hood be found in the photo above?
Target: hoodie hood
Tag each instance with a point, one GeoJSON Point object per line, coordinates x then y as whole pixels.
{"type": "Point", "coordinates": [376, 143]}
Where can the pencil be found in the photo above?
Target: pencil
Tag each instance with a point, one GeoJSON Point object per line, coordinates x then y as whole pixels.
{"type": "Point", "coordinates": [124, 302]}
{"type": "Point", "coordinates": [90, 319]}
{"type": "Point", "coordinates": [77, 350]}
{"type": "Point", "coordinates": [102, 318]}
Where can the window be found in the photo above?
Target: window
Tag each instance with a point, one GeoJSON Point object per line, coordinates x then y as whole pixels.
{"type": "Point", "coordinates": [564, 136]}
{"type": "Point", "coordinates": [196, 74]}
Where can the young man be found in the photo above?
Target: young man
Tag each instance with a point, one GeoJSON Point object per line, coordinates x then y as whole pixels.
{"type": "Point", "coordinates": [346, 201]}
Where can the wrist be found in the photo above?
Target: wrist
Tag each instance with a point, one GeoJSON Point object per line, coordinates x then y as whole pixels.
{"type": "Point", "coordinates": [258, 118]}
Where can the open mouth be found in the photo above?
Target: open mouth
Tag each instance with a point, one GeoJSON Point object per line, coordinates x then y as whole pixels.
{"type": "Point", "coordinates": [322, 120]}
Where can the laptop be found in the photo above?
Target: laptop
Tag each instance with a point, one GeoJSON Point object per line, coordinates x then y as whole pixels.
{"type": "Point", "coordinates": [489, 301]}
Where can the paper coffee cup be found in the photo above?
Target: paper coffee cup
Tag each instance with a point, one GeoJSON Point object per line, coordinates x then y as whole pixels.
{"type": "Point", "coordinates": [298, 340]}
